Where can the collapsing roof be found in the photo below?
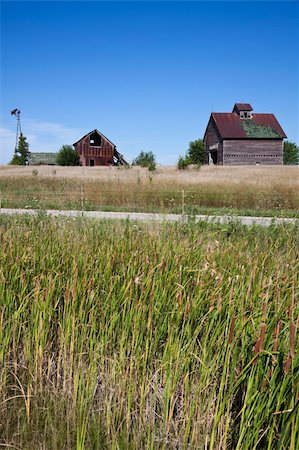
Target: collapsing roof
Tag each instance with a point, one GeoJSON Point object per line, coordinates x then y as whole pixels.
{"type": "Point", "coordinates": [96, 132]}
{"type": "Point", "coordinates": [95, 136]}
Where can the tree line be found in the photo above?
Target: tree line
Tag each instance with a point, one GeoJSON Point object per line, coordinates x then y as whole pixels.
{"type": "Point", "coordinates": [195, 155]}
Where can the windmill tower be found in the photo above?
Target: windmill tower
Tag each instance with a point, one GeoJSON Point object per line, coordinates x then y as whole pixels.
{"type": "Point", "coordinates": [16, 112]}
{"type": "Point", "coordinates": [21, 148]}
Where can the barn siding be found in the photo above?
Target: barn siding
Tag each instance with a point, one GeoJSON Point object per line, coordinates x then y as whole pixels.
{"type": "Point", "coordinates": [102, 155]}
{"type": "Point", "coordinates": [253, 151]}
{"type": "Point", "coordinates": [212, 137]}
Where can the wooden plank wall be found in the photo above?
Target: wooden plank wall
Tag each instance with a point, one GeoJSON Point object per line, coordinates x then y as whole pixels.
{"type": "Point", "coordinates": [252, 152]}
{"type": "Point", "coordinates": [211, 138]}
{"type": "Point", "coordinates": [101, 155]}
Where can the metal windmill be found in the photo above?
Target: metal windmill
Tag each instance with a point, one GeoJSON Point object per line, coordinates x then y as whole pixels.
{"type": "Point", "coordinates": [16, 112]}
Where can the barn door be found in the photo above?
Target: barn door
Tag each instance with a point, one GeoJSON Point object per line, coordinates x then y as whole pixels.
{"type": "Point", "coordinates": [214, 156]}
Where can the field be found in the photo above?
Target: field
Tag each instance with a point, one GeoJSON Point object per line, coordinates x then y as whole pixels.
{"type": "Point", "coordinates": [269, 191]}
{"type": "Point", "coordinates": [129, 336]}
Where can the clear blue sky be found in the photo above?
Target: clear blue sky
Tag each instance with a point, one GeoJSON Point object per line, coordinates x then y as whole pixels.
{"type": "Point", "coordinates": [146, 74]}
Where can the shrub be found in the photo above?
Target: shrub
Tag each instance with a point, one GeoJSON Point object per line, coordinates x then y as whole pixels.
{"type": "Point", "coordinates": [183, 162]}
{"type": "Point", "coordinates": [290, 153]}
{"type": "Point", "coordinates": [145, 159]}
{"type": "Point", "coordinates": [194, 155]}
{"type": "Point", "coordinates": [196, 152]}
{"type": "Point", "coordinates": [67, 156]}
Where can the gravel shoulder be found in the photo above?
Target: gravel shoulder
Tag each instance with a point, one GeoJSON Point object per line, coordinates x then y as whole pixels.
{"type": "Point", "coordinates": [151, 217]}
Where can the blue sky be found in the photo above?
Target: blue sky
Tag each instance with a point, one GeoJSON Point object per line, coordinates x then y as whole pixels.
{"type": "Point", "coordinates": [146, 74]}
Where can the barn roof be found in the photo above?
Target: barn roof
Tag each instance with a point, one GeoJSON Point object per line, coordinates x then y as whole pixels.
{"type": "Point", "coordinates": [42, 158]}
{"type": "Point", "coordinates": [242, 107]}
{"type": "Point", "coordinates": [94, 131]}
{"type": "Point", "coordinates": [260, 126]}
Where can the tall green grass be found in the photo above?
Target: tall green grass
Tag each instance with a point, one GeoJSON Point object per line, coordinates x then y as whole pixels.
{"type": "Point", "coordinates": [128, 336]}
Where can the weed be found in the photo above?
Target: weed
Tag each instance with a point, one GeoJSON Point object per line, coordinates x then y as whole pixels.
{"type": "Point", "coordinates": [118, 335]}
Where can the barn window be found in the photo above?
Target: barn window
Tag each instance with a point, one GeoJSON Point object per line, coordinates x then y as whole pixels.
{"type": "Point", "coordinates": [95, 140]}
{"type": "Point", "coordinates": [245, 115]}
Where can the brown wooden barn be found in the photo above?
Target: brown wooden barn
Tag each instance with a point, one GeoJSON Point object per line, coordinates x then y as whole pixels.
{"type": "Point", "coordinates": [95, 149]}
{"type": "Point", "coordinates": [243, 137]}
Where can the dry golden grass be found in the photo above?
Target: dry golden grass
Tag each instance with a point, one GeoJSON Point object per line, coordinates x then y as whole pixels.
{"type": "Point", "coordinates": [263, 176]}
{"type": "Point", "coordinates": [260, 189]}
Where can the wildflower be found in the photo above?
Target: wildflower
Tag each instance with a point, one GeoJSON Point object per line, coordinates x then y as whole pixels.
{"type": "Point", "coordinates": [137, 281]}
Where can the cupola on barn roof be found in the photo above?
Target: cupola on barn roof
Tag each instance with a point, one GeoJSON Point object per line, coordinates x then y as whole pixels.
{"type": "Point", "coordinates": [238, 107]}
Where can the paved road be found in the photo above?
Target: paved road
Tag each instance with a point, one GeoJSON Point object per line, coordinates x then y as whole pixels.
{"type": "Point", "coordinates": [151, 217]}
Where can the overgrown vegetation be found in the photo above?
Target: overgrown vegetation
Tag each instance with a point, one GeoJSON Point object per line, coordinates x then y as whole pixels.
{"type": "Point", "coordinates": [256, 131]}
{"type": "Point", "coordinates": [194, 155]}
{"type": "Point", "coordinates": [186, 341]}
{"type": "Point", "coordinates": [145, 159]}
{"type": "Point", "coordinates": [67, 156]}
{"type": "Point", "coordinates": [290, 153]}
{"type": "Point", "coordinates": [183, 162]}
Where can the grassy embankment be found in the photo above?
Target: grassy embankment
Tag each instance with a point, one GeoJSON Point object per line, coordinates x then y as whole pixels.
{"type": "Point", "coordinates": [186, 341]}
{"type": "Point", "coordinates": [269, 191]}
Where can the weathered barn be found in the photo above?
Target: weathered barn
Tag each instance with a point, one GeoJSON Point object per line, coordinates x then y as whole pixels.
{"type": "Point", "coordinates": [95, 149]}
{"type": "Point", "coordinates": [243, 137]}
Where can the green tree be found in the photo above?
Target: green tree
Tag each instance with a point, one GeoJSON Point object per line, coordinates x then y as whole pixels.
{"type": "Point", "coordinates": [196, 152]}
{"type": "Point", "coordinates": [67, 156]}
{"type": "Point", "coordinates": [145, 159]}
{"type": "Point", "coordinates": [21, 155]}
{"type": "Point", "coordinates": [290, 153]}
{"type": "Point", "coordinates": [194, 155]}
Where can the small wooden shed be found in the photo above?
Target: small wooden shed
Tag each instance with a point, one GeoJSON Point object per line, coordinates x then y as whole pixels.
{"type": "Point", "coordinates": [243, 137]}
{"type": "Point", "coordinates": [36, 159]}
{"type": "Point", "coordinates": [95, 149]}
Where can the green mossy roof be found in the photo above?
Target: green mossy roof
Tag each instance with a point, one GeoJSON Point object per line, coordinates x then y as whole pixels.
{"type": "Point", "coordinates": [43, 158]}
{"type": "Point", "coordinates": [253, 130]}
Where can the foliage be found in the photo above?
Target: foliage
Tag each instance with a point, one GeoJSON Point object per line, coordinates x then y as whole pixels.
{"type": "Point", "coordinates": [21, 155]}
{"type": "Point", "coordinates": [183, 162]}
{"type": "Point", "coordinates": [185, 341]}
{"type": "Point", "coordinates": [67, 156]}
{"type": "Point", "coordinates": [145, 159]}
{"type": "Point", "coordinates": [196, 152]}
{"type": "Point", "coordinates": [290, 153]}
{"type": "Point", "coordinates": [16, 160]}
{"type": "Point", "coordinates": [254, 130]}
{"type": "Point", "coordinates": [195, 155]}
